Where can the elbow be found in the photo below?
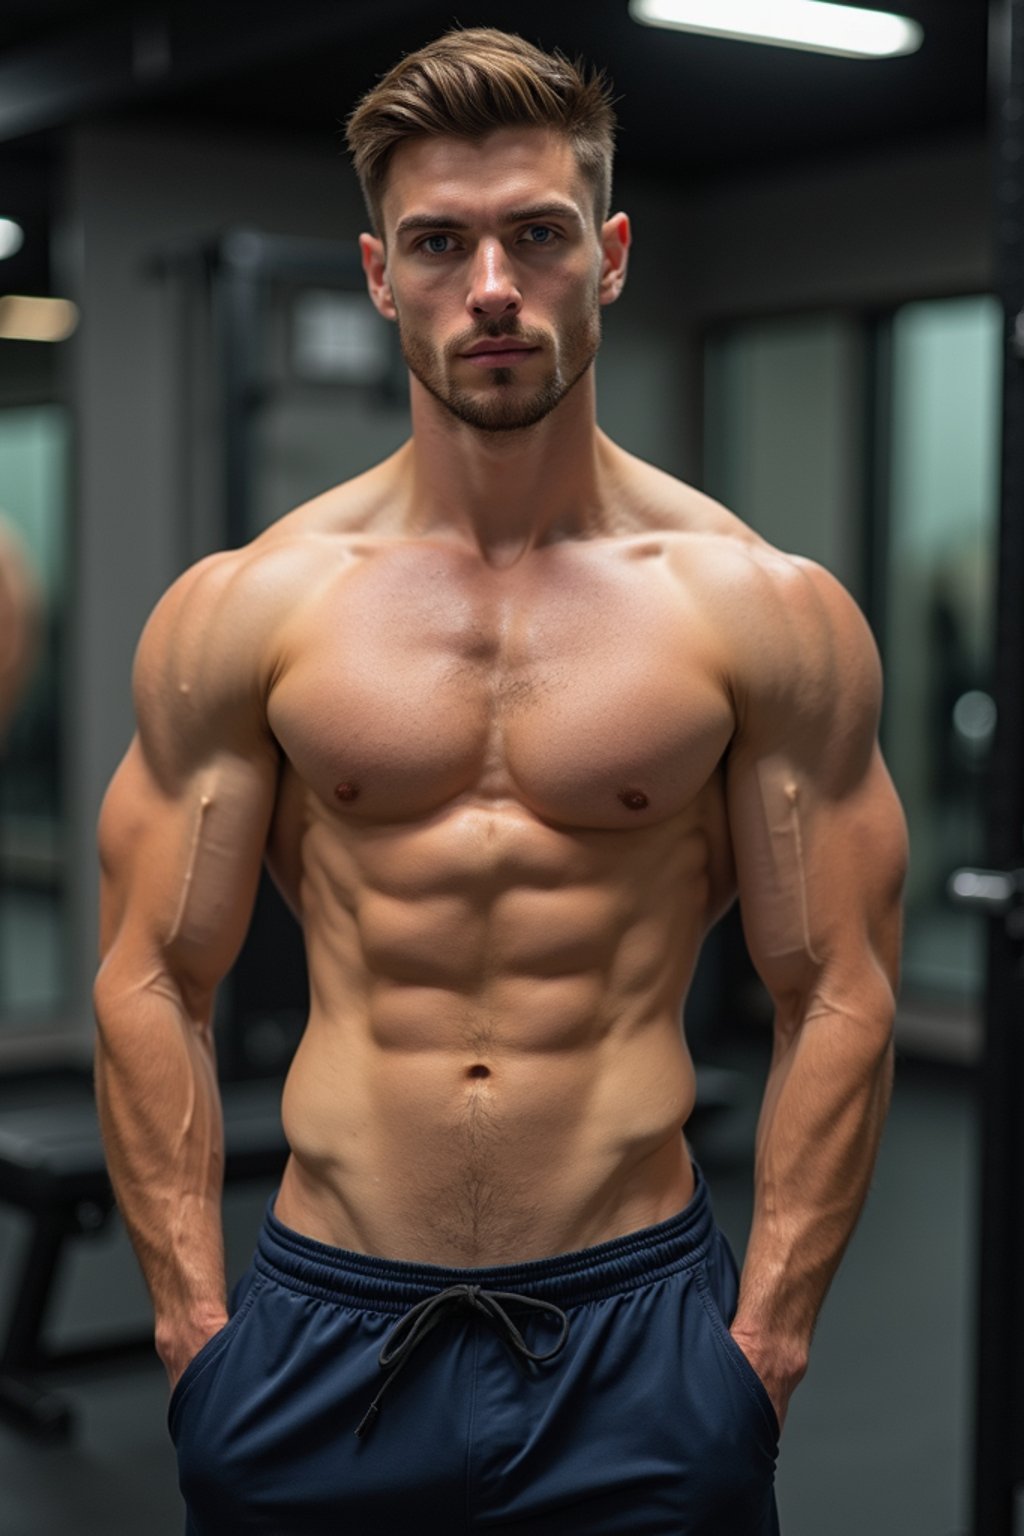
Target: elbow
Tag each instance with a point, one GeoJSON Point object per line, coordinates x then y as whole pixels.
{"type": "Point", "coordinates": [880, 984]}
{"type": "Point", "coordinates": [130, 989]}
{"type": "Point", "coordinates": [110, 990]}
{"type": "Point", "coordinates": [864, 1006]}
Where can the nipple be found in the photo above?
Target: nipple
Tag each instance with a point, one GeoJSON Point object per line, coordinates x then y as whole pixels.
{"type": "Point", "coordinates": [346, 791]}
{"type": "Point", "coordinates": [635, 799]}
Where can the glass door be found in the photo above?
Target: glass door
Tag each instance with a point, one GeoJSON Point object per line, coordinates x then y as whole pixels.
{"type": "Point", "coordinates": [938, 624]}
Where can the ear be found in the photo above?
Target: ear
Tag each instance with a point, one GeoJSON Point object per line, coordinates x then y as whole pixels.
{"type": "Point", "coordinates": [371, 249]}
{"type": "Point", "coordinates": [615, 242]}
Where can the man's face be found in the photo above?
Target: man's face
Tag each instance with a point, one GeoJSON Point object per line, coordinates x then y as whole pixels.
{"type": "Point", "coordinates": [494, 270]}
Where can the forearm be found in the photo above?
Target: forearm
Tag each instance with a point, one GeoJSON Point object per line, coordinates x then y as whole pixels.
{"type": "Point", "coordinates": [162, 1128]}
{"type": "Point", "coordinates": [821, 1122]}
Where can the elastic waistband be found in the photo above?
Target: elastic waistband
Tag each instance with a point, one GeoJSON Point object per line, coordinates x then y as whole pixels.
{"type": "Point", "coordinates": [392, 1285]}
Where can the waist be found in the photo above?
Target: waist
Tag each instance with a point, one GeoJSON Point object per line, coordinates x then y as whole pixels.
{"type": "Point", "coordinates": [408, 1155]}
{"type": "Point", "coordinates": [633, 1258]}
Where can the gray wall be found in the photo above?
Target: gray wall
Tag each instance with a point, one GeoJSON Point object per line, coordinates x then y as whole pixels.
{"type": "Point", "coordinates": [891, 227]}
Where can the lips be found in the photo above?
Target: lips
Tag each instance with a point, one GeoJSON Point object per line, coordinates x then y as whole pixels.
{"type": "Point", "coordinates": [498, 351]}
{"type": "Point", "coordinates": [498, 344]}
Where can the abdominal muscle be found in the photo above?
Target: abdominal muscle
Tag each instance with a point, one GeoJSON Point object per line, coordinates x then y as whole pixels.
{"type": "Point", "coordinates": [493, 1070]}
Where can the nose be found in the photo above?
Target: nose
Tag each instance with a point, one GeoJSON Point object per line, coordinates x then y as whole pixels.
{"type": "Point", "coordinates": [492, 289]}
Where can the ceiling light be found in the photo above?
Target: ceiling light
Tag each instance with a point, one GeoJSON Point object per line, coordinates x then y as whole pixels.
{"type": "Point", "coordinates": [12, 237]}
{"type": "Point", "coordinates": [24, 319]}
{"type": "Point", "coordinates": [847, 30]}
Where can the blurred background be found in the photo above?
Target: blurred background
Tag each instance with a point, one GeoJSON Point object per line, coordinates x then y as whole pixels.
{"type": "Point", "coordinates": [812, 333]}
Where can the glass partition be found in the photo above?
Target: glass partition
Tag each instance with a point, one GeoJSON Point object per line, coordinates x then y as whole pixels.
{"type": "Point", "coordinates": [34, 477]}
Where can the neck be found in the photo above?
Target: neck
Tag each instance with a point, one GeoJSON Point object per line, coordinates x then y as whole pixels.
{"type": "Point", "coordinates": [506, 493]}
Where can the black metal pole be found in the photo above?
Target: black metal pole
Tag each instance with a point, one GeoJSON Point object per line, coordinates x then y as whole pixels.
{"type": "Point", "coordinates": [999, 1407]}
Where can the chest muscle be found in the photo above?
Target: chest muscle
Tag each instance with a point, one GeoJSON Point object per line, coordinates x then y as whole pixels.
{"type": "Point", "coordinates": [580, 690]}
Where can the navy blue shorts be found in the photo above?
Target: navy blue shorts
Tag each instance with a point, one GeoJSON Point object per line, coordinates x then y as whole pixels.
{"type": "Point", "coordinates": [597, 1392]}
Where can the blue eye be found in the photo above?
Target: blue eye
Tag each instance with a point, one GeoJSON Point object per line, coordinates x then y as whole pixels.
{"type": "Point", "coordinates": [436, 244]}
{"type": "Point", "coordinates": [546, 234]}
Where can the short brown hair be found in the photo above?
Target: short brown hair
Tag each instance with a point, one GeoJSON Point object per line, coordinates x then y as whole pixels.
{"type": "Point", "coordinates": [471, 81]}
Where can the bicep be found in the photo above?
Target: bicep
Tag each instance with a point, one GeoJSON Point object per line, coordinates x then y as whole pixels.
{"type": "Point", "coordinates": [185, 820]}
{"type": "Point", "coordinates": [180, 864]}
{"type": "Point", "coordinates": [820, 878]}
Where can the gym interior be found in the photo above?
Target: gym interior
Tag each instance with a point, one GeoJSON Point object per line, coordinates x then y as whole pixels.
{"type": "Point", "coordinates": [820, 330]}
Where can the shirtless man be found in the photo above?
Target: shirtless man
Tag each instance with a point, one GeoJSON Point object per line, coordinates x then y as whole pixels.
{"type": "Point", "coordinates": [512, 717]}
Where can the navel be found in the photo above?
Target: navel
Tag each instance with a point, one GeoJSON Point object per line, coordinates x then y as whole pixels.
{"type": "Point", "coordinates": [478, 1071]}
{"type": "Point", "coordinates": [346, 790]}
{"type": "Point", "coordinates": [634, 799]}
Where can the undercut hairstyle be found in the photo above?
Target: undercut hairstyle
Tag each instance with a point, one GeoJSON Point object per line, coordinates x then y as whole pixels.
{"type": "Point", "coordinates": [471, 81]}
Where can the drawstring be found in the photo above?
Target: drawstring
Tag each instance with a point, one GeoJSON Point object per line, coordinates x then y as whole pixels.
{"type": "Point", "coordinates": [418, 1321]}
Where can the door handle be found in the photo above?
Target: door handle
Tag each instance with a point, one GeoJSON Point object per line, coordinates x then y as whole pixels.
{"type": "Point", "coordinates": [991, 892]}
{"type": "Point", "coordinates": [985, 890]}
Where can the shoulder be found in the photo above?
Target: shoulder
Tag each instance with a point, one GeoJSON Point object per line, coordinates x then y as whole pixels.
{"type": "Point", "coordinates": [780, 625]}
{"type": "Point", "coordinates": [208, 652]}
{"type": "Point", "coordinates": [802, 667]}
{"type": "Point", "coordinates": [236, 600]}
{"type": "Point", "coordinates": [209, 619]}
{"type": "Point", "coordinates": [787, 600]}
{"type": "Point", "coordinates": [715, 553]}
{"type": "Point", "coordinates": [802, 638]}
{"type": "Point", "coordinates": [225, 617]}
{"type": "Point", "coordinates": [788, 641]}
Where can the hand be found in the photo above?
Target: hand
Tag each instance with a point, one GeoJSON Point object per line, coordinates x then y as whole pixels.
{"type": "Point", "coordinates": [179, 1345]}
{"type": "Point", "coordinates": [779, 1370]}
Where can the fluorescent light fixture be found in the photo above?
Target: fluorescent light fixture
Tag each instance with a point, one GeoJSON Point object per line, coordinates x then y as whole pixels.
{"type": "Point", "coordinates": [814, 25]}
{"type": "Point", "coordinates": [25, 319]}
{"type": "Point", "coordinates": [12, 237]}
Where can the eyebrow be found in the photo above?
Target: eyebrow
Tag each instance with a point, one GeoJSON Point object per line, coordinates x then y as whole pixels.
{"type": "Point", "coordinates": [565, 211]}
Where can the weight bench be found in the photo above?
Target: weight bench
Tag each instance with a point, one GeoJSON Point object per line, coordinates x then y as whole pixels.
{"type": "Point", "coordinates": [52, 1167]}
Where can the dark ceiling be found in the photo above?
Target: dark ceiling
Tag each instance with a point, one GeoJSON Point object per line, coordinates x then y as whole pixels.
{"type": "Point", "coordinates": [691, 108]}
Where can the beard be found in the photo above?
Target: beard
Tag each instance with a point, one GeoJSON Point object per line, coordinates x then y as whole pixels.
{"type": "Point", "coordinates": [502, 403]}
